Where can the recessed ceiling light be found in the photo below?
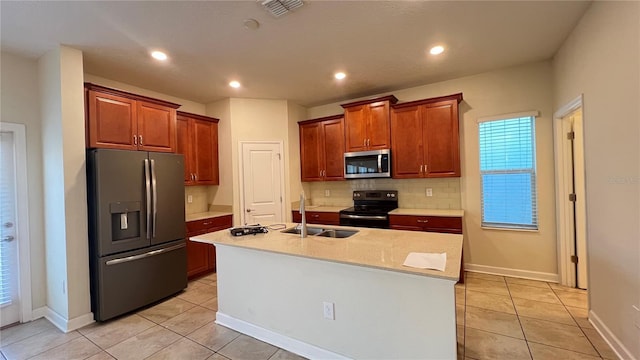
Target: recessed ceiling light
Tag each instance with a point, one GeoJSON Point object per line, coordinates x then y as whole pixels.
{"type": "Point", "coordinates": [159, 55]}
{"type": "Point", "coordinates": [251, 24]}
{"type": "Point", "coordinates": [234, 84]}
{"type": "Point", "coordinates": [340, 75]}
{"type": "Point", "coordinates": [436, 50]}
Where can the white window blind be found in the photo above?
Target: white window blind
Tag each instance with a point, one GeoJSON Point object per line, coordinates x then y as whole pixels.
{"type": "Point", "coordinates": [508, 172]}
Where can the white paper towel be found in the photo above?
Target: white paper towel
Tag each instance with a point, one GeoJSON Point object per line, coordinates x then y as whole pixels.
{"type": "Point", "coordinates": [426, 260]}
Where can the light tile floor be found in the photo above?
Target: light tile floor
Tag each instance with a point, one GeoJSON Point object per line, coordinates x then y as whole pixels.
{"type": "Point", "coordinates": [508, 318]}
{"type": "Point", "coordinates": [498, 318]}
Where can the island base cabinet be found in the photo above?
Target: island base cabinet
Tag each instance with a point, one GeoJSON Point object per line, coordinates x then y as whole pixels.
{"type": "Point", "coordinates": [201, 258]}
{"type": "Point", "coordinates": [282, 303]}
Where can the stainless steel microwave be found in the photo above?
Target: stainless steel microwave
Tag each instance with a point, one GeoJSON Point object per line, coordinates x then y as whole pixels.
{"type": "Point", "coordinates": [367, 164]}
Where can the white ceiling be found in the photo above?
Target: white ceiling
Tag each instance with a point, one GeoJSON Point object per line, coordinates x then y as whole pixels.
{"type": "Point", "coordinates": [381, 45]}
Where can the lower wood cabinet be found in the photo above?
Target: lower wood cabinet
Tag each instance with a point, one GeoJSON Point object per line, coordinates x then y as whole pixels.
{"type": "Point", "coordinates": [317, 217]}
{"type": "Point", "coordinates": [201, 258]}
{"type": "Point", "coordinates": [441, 224]}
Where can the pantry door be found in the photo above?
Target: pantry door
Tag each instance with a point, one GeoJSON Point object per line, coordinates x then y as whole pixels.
{"type": "Point", "coordinates": [15, 286]}
{"type": "Point", "coordinates": [261, 179]}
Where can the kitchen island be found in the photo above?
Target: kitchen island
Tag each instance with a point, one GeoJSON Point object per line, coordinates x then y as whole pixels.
{"type": "Point", "coordinates": [340, 298]}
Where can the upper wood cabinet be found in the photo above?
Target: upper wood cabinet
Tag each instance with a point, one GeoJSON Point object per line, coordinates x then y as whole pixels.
{"type": "Point", "coordinates": [322, 149]}
{"type": "Point", "coordinates": [121, 120]}
{"type": "Point", "coordinates": [367, 124]}
{"type": "Point", "coordinates": [198, 142]}
{"type": "Point", "coordinates": [425, 138]}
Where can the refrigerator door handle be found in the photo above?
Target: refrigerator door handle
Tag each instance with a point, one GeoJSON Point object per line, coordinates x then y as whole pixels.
{"type": "Point", "coordinates": [145, 255]}
{"type": "Point", "coordinates": [154, 188]}
{"type": "Point", "coordinates": [147, 187]}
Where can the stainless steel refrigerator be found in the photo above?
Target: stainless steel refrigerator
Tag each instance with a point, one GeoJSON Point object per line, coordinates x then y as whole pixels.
{"type": "Point", "coordinates": [136, 229]}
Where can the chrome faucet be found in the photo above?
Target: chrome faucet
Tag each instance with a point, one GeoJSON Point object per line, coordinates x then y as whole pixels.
{"type": "Point", "coordinates": [303, 224]}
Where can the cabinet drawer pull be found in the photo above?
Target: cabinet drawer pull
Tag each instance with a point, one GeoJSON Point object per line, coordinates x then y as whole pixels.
{"type": "Point", "coordinates": [422, 221]}
{"type": "Point", "coordinates": [207, 223]}
{"type": "Point", "coordinates": [315, 216]}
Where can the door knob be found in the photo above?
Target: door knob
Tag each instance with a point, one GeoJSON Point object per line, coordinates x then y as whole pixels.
{"type": "Point", "coordinates": [8, 225]}
{"type": "Point", "coordinates": [8, 238]}
{"type": "Point", "coordinates": [250, 210]}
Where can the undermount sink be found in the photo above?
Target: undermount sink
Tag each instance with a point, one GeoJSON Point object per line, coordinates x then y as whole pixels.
{"type": "Point", "coordinates": [338, 234]}
{"type": "Point", "coordinates": [332, 233]}
{"type": "Point", "coordinates": [310, 230]}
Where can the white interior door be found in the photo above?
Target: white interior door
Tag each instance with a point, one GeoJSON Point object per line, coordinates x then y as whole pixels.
{"type": "Point", "coordinates": [9, 275]}
{"type": "Point", "coordinates": [262, 182]}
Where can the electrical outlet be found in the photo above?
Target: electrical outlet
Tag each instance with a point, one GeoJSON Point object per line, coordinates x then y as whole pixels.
{"type": "Point", "coordinates": [328, 310]}
{"type": "Point", "coordinates": [429, 192]}
{"type": "Point", "coordinates": [189, 199]}
{"type": "Point", "coordinates": [327, 193]}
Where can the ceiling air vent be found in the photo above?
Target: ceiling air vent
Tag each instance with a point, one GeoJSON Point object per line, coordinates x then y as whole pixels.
{"type": "Point", "coordinates": [280, 7]}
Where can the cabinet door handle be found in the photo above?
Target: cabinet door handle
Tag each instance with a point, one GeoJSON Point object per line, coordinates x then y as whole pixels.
{"type": "Point", "coordinates": [135, 140]}
{"type": "Point", "coordinates": [425, 168]}
{"type": "Point", "coordinates": [421, 168]}
{"type": "Point", "coordinates": [364, 142]}
{"type": "Point", "coordinates": [368, 142]}
{"type": "Point", "coordinates": [140, 140]}
{"type": "Point", "coordinates": [195, 177]}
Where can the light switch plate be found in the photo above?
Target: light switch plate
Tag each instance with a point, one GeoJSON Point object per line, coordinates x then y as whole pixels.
{"type": "Point", "coordinates": [429, 192]}
{"type": "Point", "coordinates": [189, 199]}
{"type": "Point", "coordinates": [327, 193]}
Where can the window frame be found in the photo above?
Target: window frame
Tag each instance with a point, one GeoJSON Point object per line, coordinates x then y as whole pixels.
{"type": "Point", "coordinates": [535, 227]}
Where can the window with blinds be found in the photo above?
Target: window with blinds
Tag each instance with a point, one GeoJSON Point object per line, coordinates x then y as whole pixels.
{"type": "Point", "coordinates": [508, 172]}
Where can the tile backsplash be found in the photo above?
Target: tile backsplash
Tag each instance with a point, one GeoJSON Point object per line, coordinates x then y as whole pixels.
{"type": "Point", "coordinates": [411, 192]}
{"type": "Point", "coordinates": [201, 197]}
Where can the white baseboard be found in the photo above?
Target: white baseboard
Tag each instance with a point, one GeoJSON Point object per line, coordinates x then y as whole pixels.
{"type": "Point", "coordinates": [524, 274]}
{"type": "Point", "coordinates": [621, 351]}
{"type": "Point", "coordinates": [295, 346]}
{"type": "Point", "coordinates": [60, 322]}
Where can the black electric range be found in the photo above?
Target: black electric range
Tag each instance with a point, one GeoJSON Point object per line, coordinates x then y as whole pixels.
{"type": "Point", "coordinates": [370, 208]}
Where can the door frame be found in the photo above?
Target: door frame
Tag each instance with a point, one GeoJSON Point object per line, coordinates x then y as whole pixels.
{"type": "Point", "coordinates": [564, 209]}
{"type": "Point", "coordinates": [22, 218]}
{"type": "Point", "coordinates": [241, 176]}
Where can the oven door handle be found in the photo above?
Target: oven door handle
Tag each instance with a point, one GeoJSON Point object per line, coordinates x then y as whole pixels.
{"type": "Point", "coordinates": [363, 217]}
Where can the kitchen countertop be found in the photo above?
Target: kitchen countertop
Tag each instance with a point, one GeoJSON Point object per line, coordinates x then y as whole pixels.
{"type": "Point", "coordinates": [428, 212]}
{"type": "Point", "coordinates": [205, 215]}
{"type": "Point", "coordinates": [377, 248]}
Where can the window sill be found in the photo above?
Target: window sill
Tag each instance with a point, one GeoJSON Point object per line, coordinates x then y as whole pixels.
{"type": "Point", "coordinates": [509, 229]}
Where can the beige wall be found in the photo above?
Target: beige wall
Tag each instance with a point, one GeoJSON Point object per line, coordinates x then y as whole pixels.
{"type": "Point", "coordinates": [296, 113]}
{"type": "Point", "coordinates": [65, 189]}
{"type": "Point", "coordinates": [516, 89]}
{"type": "Point", "coordinates": [256, 120]}
{"type": "Point", "coordinates": [20, 104]}
{"type": "Point", "coordinates": [600, 59]}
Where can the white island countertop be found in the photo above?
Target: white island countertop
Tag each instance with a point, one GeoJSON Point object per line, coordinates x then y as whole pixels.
{"type": "Point", "coordinates": [376, 248]}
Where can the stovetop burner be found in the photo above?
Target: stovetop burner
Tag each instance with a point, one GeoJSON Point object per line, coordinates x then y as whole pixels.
{"type": "Point", "coordinates": [370, 208]}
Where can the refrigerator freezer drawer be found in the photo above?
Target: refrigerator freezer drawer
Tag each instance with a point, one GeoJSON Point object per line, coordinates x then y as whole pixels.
{"type": "Point", "coordinates": [117, 280]}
